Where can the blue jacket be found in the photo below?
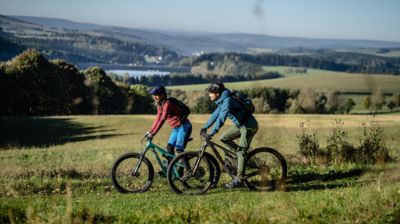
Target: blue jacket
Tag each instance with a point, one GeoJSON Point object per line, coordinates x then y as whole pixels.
{"type": "Point", "coordinates": [227, 107]}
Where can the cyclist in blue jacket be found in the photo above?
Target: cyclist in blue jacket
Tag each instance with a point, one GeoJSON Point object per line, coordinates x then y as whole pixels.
{"type": "Point", "coordinates": [245, 126]}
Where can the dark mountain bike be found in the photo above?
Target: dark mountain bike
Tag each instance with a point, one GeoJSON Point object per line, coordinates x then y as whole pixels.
{"type": "Point", "coordinates": [134, 173]}
{"type": "Point", "coordinates": [265, 168]}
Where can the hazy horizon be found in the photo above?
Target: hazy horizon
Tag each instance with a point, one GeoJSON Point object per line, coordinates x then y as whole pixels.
{"type": "Point", "coordinates": [350, 20]}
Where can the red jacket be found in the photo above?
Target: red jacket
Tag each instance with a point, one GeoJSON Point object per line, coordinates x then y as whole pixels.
{"type": "Point", "coordinates": [167, 111]}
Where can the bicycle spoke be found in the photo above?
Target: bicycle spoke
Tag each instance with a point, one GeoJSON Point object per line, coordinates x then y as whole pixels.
{"type": "Point", "coordinates": [265, 170]}
{"type": "Point", "coordinates": [124, 177]}
{"type": "Point", "coordinates": [192, 181]}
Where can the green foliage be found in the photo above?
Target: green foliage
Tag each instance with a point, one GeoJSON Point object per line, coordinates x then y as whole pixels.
{"type": "Point", "coordinates": [80, 47]}
{"type": "Point", "coordinates": [34, 178]}
{"type": "Point", "coordinates": [367, 102]}
{"type": "Point", "coordinates": [348, 105]}
{"type": "Point", "coordinates": [190, 79]}
{"type": "Point", "coordinates": [334, 61]}
{"type": "Point", "coordinates": [339, 149]}
{"type": "Point", "coordinates": [372, 149]}
{"type": "Point", "coordinates": [394, 102]}
{"type": "Point", "coordinates": [108, 97]}
{"type": "Point", "coordinates": [310, 101]}
{"type": "Point", "coordinates": [34, 86]}
{"type": "Point", "coordinates": [391, 105]}
{"type": "Point", "coordinates": [31, 85]}
{"type": "Point", "coordinates": [372, 146]}
{"type": "Point", "coordinates": [308, 145]}
{"type": "Point", "coordinates": [272, 99]}
{"type": "Point", "coordinates": [140, 101]}
{"type": "Point", "coordinates": [377, 100]}
{"type": "Point", "coordinates": [204, 105]}
{"type": "Point", "coordinates": [396, 99]}
{"type": "Point", "coordinates": [228, 66]}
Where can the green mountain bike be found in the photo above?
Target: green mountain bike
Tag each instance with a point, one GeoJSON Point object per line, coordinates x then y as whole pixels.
{"type": "Point", "coordinates": [133, 172]}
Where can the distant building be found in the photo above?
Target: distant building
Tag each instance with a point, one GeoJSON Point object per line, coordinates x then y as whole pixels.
{"type": "Point", "coordinates": [153, 59]}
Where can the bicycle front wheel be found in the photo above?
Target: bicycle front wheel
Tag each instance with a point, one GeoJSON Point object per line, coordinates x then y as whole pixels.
{"type": "Point", "coordinates": [266, 170]}
{"type": "Point", "coordinates": [128, 176]}
{"type": "Point", "coordinates": [184, 178]}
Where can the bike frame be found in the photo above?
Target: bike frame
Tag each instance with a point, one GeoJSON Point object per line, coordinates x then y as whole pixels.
{"type": "Point", "coordinates": [156, 150]}
{"type": "Point", "coordinates": [214, 146]}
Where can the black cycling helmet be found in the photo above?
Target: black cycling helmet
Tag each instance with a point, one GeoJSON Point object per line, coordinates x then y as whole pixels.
{"type": "Point", "coordinates": [158, 90]}
{"type": "Point", "coordinates": [215, 87]}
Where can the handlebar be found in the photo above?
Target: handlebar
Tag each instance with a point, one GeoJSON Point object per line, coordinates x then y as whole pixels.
{"type": "Point", "coordinates": [204, 136]}
{"type": "Point", "coordinates": [145, 138]}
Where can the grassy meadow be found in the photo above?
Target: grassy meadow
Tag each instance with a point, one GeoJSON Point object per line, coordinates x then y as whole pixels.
{"type": "Point", "coordinates": [352, 85]}
{"type": "Point", "coordinates": [318, 80]}
{"type": "Point", "coordinates": [55, 169]}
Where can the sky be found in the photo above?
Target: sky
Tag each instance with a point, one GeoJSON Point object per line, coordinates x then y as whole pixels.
{"type": "Point", "coordinates": [332, 19]}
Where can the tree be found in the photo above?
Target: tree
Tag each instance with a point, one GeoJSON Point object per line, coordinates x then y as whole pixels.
{"type": "Point", "coordinates": [333, 102]}
{"type": "Point", "coordinates": [348, 105]}
{"type": "Point", "coordinates": [78, 95]}
{"type": "Point", "coordinates": [396, 99]}
{"type": "Point", "coordinates": [139, 100]}
{"type": "Point", "coordinates": [108, 97]}
{"type": "Point", "coordinates": [367, 102]}
{"type": "Point", "coordinates": [308, 101]}
{"type": "Point", "coordinates": [377, 100]}
{"type": "Point", "coordinates": [204, 105]}
{"type": "Point", "coordinates": [391, 105]}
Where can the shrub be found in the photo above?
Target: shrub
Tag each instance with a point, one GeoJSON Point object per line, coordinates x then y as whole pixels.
{"type": "Point", "coordinates": [308, 145]}
{"type": "Point", "coordinates": [338, 149]}
{"type": "Point", "coordinates": [373, 149]}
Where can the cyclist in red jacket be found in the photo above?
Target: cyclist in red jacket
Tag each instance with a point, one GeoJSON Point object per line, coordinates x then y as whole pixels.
{"type": "Point", "coordinates": [168, 111]}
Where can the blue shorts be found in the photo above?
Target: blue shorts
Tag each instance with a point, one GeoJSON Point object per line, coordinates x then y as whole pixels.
{"type": "Point", "coordinates": [179, 136]}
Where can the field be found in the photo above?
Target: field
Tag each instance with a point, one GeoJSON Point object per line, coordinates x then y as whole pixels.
{"type": "Point", "coordinates": [318, 80]}
{"type": "Point", "coordinates": [354, 86]}
{"type": "Point", "coordinates": [55, 169]}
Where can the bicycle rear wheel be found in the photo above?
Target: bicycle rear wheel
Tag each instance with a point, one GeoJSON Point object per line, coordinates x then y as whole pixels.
{"type": "Point", "coordinates": [182, 179]}
{"type": "Point", "coordinates": [125, 180]}
{"type": "Point", "coordinates": [266, 170]}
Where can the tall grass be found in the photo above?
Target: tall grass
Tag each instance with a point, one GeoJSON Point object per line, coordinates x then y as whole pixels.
{"type": "Point", "coordinates": [64, 177]}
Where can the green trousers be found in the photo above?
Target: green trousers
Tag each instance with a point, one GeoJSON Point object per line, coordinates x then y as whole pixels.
{"type": "Point", "coordinates": [245, 133]}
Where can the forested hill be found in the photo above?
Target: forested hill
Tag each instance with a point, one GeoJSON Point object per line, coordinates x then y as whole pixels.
{"type": "Point", "coordinates": [79, 46]}
{"type": "Point", "coordinates": [333, 61]}
{"type": "Point", "coordinates": [188, 42]}
{"type": "Point", "coordinates": [82, 43]}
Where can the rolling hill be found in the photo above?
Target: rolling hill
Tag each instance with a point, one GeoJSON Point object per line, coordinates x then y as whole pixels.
{"type": "Point", "coordinates": [322, 80]}
{"type": "Point", "coordinates": [187, 42]}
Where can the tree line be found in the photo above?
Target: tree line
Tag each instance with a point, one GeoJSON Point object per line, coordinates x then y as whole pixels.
{"type": "Point", "coordinates": [188, 78]}
{"type": "Point", "coordinates": [31, 85]}
{"type": "Point", "coordinates": [334, 61]}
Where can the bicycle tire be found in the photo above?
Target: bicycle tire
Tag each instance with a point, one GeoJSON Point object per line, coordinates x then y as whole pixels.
{"type": "Point", "coordinates": [186, 184]}
{"type": "Point", "coordinates": [122, 178]}
{"type": "Point", "coordinates": [265, 170]}
{"type": "Point", "coordinates": [217, 170]}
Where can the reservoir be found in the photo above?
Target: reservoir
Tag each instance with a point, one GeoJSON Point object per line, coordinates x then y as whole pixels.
{"type": "Point", "coordinates": [137, 73]}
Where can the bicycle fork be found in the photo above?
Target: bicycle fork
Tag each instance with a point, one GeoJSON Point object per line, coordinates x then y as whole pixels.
{"type": "Point", "coordinates": [135, 171]}
{"type": "Point", "coordinates": [196, 164]}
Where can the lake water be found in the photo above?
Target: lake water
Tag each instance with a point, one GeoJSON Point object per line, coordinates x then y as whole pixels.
{"type": "Point", "coordinates": [138, 73]}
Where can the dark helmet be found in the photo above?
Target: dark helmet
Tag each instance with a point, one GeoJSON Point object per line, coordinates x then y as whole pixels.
{"type": "Point", "coordinates": [158, 90]}
{"type": "Point", "coordinates": [215, 87]}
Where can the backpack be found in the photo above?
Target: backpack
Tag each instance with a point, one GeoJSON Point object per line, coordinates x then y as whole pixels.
{"type": "Point", "coordinates": [184, 110]}
{"type": "Point", "coordinates": [245, 102]}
